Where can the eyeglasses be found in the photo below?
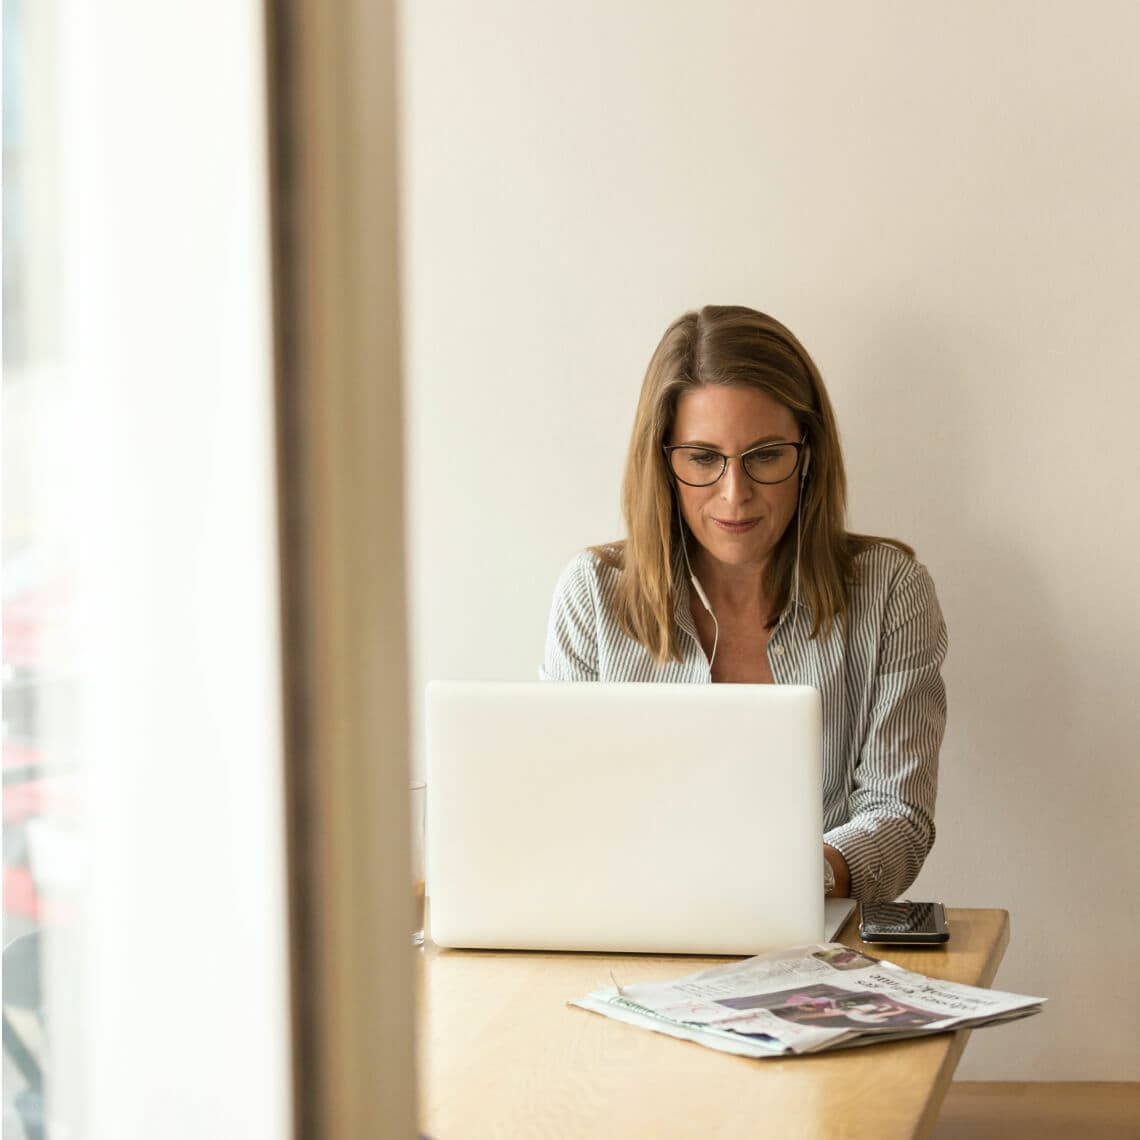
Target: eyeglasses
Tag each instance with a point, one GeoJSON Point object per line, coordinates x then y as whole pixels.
{"type": "Point", "coordinates": [703, 466]}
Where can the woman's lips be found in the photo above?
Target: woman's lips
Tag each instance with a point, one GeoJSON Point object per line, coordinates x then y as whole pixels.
{"type": "Point", "coordinates": [735, 526]}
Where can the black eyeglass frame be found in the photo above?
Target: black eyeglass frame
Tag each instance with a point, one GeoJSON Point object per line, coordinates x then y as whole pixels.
{"type": "Point", "coordinates": [669, 448]}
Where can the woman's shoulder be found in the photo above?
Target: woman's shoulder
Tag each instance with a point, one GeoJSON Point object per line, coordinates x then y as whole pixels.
{"type": "Point", "coordinates": [591, 569]}
{"type": "Point", "coordinates": [885, 565]}
{"type": "Point", "coordinates": [881, 554]}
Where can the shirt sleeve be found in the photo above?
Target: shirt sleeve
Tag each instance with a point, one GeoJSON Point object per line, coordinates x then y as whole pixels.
{"type": "Point", "coordinates": [890, 829]}
{"type": "Point", "coordinates": [572, 631]}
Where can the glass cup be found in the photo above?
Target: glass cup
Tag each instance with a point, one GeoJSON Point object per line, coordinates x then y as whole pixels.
{"type": "Point", "coordinates": [418, 805]}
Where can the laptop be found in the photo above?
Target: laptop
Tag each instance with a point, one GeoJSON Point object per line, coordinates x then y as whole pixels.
{"type": "Point", "coordinates": [644, 818]}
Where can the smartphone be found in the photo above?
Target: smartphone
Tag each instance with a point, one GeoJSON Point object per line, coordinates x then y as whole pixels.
{"type": "Point", "coordinates": [905, 923]}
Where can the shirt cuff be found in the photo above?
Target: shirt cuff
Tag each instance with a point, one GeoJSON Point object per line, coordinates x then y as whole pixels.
{"type": "Point", "coordinates": [860, 850]}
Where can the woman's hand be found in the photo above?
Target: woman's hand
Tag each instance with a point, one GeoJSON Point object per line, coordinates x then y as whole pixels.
{"type": "Point", "coordinates": [842, 874]}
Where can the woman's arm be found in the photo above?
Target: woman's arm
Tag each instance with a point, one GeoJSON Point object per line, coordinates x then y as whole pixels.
{"type": "Point", "coordinates": [891, 826]}
{"type": "Point", "coordinates": [572, 631]}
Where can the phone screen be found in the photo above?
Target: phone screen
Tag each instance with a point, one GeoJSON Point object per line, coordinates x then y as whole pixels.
{"type": "Point", "coordinates": [904, 917]}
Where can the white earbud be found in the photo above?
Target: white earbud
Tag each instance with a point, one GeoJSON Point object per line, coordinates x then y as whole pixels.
{"type": "Point", "coordinates": [799, 512]}
{"type": "Point", "coordinates": [700, 592]}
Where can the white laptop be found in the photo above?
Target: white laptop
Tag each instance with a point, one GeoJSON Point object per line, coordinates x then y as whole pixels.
{"type": "Point", "coordinates": [678, 819]}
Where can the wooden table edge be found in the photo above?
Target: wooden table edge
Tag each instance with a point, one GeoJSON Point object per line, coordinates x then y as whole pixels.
{"type": "Point", "coordinates": [949, 1064]}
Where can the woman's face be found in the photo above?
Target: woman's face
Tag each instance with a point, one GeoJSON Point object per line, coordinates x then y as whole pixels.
{"type": "Point", "coordinates": [737, 520]}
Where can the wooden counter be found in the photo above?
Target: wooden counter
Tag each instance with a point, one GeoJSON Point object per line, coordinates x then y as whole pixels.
{"type": "Point", "coordinates": [502, 1055]}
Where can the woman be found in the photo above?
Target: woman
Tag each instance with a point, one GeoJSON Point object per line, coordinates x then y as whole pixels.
{"type": "Point", "coordinates": [737, 567]}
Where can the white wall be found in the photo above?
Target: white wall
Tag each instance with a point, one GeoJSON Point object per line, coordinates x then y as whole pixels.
{"type": "Point", "coordinates": [942, 202]}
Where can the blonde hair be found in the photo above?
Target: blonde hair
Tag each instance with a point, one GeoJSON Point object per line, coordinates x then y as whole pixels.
{"type": "Point", "coordinates": [735, 346]}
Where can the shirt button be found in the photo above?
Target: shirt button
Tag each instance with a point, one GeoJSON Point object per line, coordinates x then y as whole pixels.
{"type": "Point", "coordinates": [778, 650]}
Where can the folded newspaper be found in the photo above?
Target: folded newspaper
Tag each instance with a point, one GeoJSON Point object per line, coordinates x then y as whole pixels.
{"type": "Point", "coordinates": [804, 1000]}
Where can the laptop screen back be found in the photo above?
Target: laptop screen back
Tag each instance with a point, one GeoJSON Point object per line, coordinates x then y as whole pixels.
{"type": "Point", "coordinates": [624, 817]}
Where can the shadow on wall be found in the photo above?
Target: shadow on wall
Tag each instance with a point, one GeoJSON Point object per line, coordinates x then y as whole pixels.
{"type": "Point", "coordinates": [924, 447]}
{"type": "Point", "coordinates": [1039, 781]}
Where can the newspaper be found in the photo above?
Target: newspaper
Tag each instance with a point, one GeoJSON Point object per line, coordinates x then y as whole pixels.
{"type": "Point", "coordinates": [804, 1000]}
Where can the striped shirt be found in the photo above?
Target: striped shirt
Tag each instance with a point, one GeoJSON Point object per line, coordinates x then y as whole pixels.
{"type": "Point", "coordinates": [879, 674]}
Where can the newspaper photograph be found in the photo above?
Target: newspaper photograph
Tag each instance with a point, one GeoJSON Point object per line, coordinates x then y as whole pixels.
{"type": "Point", "coordinates": [804, 1000]}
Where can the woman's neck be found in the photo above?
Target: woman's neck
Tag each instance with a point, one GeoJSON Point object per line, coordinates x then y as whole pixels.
{"type": "Point", "coordinates": [732, 589]}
